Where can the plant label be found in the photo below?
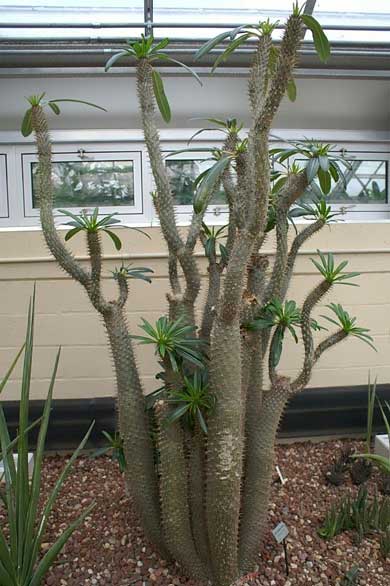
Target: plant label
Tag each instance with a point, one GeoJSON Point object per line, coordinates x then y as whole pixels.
{"type": "Point", "coordinates": [280, 532]}
{"type": "Point", "coordinates": [281, 477]}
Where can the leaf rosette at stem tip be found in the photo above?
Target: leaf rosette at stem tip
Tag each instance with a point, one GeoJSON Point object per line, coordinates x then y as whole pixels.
{"type": "Point", "coordinates": [210, 235]}
{"type": "Point", "coordinates": [91, 223]}
{"type": "Point", "coordinates": [282, 316]}
{"type": "Point", "coordinates": [146, 48]}
{"type": "Point", "coordinates": [131, 272]}
{"type": "Point", "coordinates": [348, 324]}
{"type": "Point", "coordinates": [323, 162]}
{"type": "Point", "coordinates": [174, 341]}
{"type": "Point", "coordinates": [331, 272]}
{"type": "Point", "coordinates": [193, 402]}
{"type": "Point", "coordinates": [317, 209]}
{"type": "Point", "coordinates": [39, 100]}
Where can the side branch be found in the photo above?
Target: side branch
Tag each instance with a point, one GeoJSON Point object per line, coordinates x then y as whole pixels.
{"type": "Point", "coordinates": [298, 242]}
{"type": "Point", "coordinates": [45, 189]}
{"type": "Point", "coordinates": [307, 334]}
{"type": "Point", "coordinates": [290, 192]}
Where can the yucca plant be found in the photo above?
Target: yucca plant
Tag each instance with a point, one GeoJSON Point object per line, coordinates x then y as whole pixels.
{"type": "Point", "coordinates": [382, 462]}
{"type": "Point", "coordinates": [203, 497]}
{"type": "Point", "coordinates": [21, 560]}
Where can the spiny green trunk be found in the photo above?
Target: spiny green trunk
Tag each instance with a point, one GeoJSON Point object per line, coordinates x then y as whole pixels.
{"type": "Point", "coordinates": [175, 508]}
{"type": "Point", "coordinates": [141, 475]}
{"type": "Point", "coordinates": [258, 477]}
{"type": "Point", "coordinates": [224, 454]}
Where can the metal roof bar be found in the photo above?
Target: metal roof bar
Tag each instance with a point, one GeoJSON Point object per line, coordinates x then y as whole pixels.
{"type": "Point", "coordinates": [187, 25]}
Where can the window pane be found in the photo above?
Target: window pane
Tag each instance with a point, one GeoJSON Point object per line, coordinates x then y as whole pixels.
{"type": "Point", "coordinates": [365, 183]}
{"type": "Point", "coordinates": [89, 184]}
{"type": "Point", "coordinates": [354, 13]}
{"type": "Point", "coordinates": [88, 12]}
{"type": "Point", "coordinates": [198, 12]}
{"type": "Point", "coordinates": [182, 175]}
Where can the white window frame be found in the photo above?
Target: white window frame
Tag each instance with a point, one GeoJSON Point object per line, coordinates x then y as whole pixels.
{"type": "Point", "coordinates": [217, 214]}
{"type": "Point", "coordinates": [367, 144]}
{"type": "Point", "coordinates": [92, 144]}
{"type": "Point", "coordinates": [4, 184]}
{"type": "Point", "coordinates": [73, 154]}
{"type": "Point", "coordinates": [364, 211]}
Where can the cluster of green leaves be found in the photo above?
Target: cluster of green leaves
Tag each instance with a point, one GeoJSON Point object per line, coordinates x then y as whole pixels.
{"type": "Point", "coordinates": [38, 100]}
{"type": "Point", "coordinates": [348, 324]}
{"type": "Point", "coordinates": [174, 340]}
{"type": "Point", "coordinates": [360, 514]}
{"type": "Point", "coordinates": [21, 560]}
{"type": "Point", "coordinates": [331, 272]}
{"type": "Point", "coordinates": [85, 222]}
{"type": "Point", "coordinates": [114, 448]}
{"type": "Point", "coordinates": [283, 316]}
{"type": "Point", "coordinates": [211, 235]}
{"type": "Point", "coordinates": [193, 402]}
{"type": "Point", "coordinates": [318, 209]}
{"type": "Point", "coordinates": [130, 272]}
{"type": "Point", "coordinates": [146, 48]}
{"type": "Point", "coordinates": [322, 161]}
{"type": "Point", "coordinates": [227, 127]}
{"type": "Point", "coordinates": [243, 33]}
{"type": "Point", "coordinates": [246, 33]}
{"type": "Point", "coordinates": [91, 223]}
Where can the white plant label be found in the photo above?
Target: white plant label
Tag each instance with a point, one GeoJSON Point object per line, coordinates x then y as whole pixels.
{"type": "Point", "coordinates": [281, 478]}
{"type": "Point", "coordinates": [280, 532]}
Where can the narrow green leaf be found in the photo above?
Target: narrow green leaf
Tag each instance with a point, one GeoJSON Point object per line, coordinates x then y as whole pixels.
{"type": "Point", "coordinates": [112, 60]}
{"type": "Point", "coordinates": [11, 368]}
{"type": "Point", "coordinates": [54, 107]}
{"type": "Point", "coordinates": [229, 50]}
{"type": "Point", "coordinates": [80, 102]}
{"type": "Point", "coordinates": [26, 128]}
{"type": "Point", "coordinates": [291, 90]}
{"type": "Point", "coordinates": [312, 169]}
{"type": "Point", "coordinates": [160, 46]}
{"type": "Point", "coordinates": [209, 184]}
{"type": "Point", "coordinates": [72, 233]}
{"type": "Point", "coordinates": [116, 240]}
{"type": "Point", "coordinates": [325, 180]}
{"type": "Point", "coordinates": [207, 47]}
{"type": "Point", "coordinates": [320, 39]}
{"type": "Point", "coordinates": [50, 556]}
{"type": "Point", "coordinates": [191, 71]}
{"type": "Point", "coordinates": [161, 98]}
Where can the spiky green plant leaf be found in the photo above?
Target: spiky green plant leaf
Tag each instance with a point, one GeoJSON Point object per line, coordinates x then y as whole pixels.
{"type": "Point", "coordinates": [320, 39]}
{"type": "Point", "coordinates": [161, 98]}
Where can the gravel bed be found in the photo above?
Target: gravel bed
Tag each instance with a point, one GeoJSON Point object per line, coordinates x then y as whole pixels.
{"type": "Point", "coordinates": [110, 548]}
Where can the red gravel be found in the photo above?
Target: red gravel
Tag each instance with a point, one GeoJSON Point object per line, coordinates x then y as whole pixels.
{"type": "Point", "coordinates": [110, 548]}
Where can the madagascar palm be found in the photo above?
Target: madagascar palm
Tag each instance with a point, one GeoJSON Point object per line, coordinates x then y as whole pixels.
{"type": "Point", "coordinates": [204, 499]}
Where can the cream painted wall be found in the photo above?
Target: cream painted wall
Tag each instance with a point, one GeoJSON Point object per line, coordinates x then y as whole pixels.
{"type": "Point", "coordinates": [64, 315]}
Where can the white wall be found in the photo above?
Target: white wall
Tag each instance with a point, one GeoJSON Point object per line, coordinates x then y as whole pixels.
{"type": "Point", "coordinates": [352, 104]}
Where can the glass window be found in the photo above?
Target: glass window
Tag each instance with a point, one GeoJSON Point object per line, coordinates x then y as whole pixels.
{"type": "Point", "coordinates": [89, 184]}
{"type": "Point", "coordinates": [90, 13]}
{"type": "Point", "coordinates": [183, 174]}
{"type": "Point", "coordinates": [365, 184]}
{"type": "Point", "coordinates": [88, 178]}
{"type": "Point", "coordinates": [359, 13]}
{"type": "Point", "coordinates": [198, 12]}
